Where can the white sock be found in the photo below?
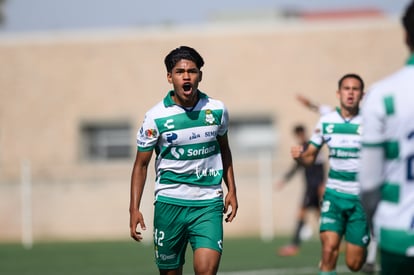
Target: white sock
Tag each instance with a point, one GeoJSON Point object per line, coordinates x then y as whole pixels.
{"type": "Point", "coordinates": [372, 251]}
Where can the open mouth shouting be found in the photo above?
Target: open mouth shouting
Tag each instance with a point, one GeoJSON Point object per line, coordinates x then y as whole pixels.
{"type": "Point", "coordinates": [350, 100]}
{"type": "Point", "coordinates": [187, 87]}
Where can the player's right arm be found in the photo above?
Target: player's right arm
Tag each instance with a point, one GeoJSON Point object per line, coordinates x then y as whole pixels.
{"type": "Point", "coordinates": [306, 157]}
{"type": "Point", "coordinates": [307, 103]}
{"type": "Point", "coordinates": [138, 178]}
{"type": "Point", "coordinates": [288, 175]}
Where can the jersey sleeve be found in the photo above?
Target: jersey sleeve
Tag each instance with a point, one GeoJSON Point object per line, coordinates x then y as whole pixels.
{"type": "Point", "coordinates": [324, 109]}
{"type": "Point", "coordinates": [147, 136]}
{"type": "Point", "coordinates": [317, 135]}
{"type": "Point", "coordinates": [224, 122]}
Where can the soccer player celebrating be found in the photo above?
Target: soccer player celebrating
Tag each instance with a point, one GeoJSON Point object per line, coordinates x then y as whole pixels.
{"type": "Point", "coordinates": [188, 132]}
{"type": "Point", "coordinates": [387, 165]}
{"type": "Point", "coordinates": [341, 210]}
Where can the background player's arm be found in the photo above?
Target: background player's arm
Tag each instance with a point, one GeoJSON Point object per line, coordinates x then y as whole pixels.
{"type": "Point", "coordinates": [291, 172]}
{"type": "Point", "coordinates": [307, 103]}
{"type": "Point", "coordinates": [306, 157]}
{"type": "Point", "coordinates": [313, 106]}
{"type": "Point", "coordinates": [228, 177]}
{"type": "Point", "coordinates": [138, 178]}
{"type": "Point", "coordinates": [288, 175]}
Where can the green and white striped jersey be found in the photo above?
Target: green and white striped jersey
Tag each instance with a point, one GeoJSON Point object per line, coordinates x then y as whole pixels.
{"type": "Point", "coordinates": [343, 138]}
{"type": "Point", "coordinates": [388, 158]}
{"type": "Point", "coordinates": [188, 162]}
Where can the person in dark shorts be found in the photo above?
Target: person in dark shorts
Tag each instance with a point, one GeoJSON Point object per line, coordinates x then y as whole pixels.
{"type": "Point", "coordinates": [314, 178]}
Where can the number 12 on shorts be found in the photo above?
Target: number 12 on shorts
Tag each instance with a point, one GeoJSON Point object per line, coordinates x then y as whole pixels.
{"type": "Point", "coordinates": [158, 237]}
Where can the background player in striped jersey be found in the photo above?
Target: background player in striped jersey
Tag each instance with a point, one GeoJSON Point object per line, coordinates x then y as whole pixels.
{"type": "Point", "coordinates": [341, 211]}
{"type": "Point", "coordinates": [188, 132]}
{"type": "Point", "coordinates": [369, 266]}
{"type": "Point", "coordinates": [387, 165]}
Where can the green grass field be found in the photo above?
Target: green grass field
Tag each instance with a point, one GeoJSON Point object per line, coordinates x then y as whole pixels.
{"type": "Point", "coordinates": [241, 256]}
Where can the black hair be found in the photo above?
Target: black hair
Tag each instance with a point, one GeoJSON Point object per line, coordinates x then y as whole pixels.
{"type": "Point", "coordinates": [351, 76]}
{"type": "Point", "coordinates": [183, 52]}
{"type": "Point", "coordinates": [298, 129]}
{"type": "Point", "coordinates": [408, 23]}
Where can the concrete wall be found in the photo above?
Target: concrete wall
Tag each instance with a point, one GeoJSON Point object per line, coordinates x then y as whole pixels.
{"type": "Point", "coordinates": [51, 83]}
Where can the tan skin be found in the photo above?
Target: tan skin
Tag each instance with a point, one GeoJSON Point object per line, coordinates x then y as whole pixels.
{"type": "Point", "coordinates": [349, 95]}
{"type": "Point", "coordinates": [206, 261]}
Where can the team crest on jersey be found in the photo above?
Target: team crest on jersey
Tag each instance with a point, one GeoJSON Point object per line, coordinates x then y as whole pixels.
{"type": "Point", "coordinates": [151, 133]}
{"type": "Point", "coordinates": [209, 117]}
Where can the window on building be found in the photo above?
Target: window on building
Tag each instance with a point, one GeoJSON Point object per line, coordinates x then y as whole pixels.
{"type": "Point", "coordinates": [252, 134]}
{"type": "Point", "coordinates": [106, 141]}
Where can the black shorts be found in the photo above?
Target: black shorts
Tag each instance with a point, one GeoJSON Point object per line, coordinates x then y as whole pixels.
{"type": "Point", "coordinates": [314, 177]}
{"type": "Point", "coordinates": [311, 198]}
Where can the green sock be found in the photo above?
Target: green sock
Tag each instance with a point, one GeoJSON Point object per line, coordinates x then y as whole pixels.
{"type": "Point", "coordinates": [333, 272]}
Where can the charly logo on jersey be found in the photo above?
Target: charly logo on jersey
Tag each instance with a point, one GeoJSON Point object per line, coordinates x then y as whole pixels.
{"type": "Point", "coordinates": [169, 124]}
{"type": "Point", "coordinates": [329, 128]}
{"type": "Point", "coordinates": [210, 120]}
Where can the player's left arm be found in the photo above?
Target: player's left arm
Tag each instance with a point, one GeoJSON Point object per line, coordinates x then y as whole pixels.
{"type": "Point", "coordinates": [228, 177]}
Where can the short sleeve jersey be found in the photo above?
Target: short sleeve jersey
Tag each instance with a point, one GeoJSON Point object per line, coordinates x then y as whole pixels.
{"type": "Point", "coordinates": [388, 113]}
{"type": "Point", "coordinates": [188, 162]}
{"type": "Point", "coordinates": [343, 138]}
